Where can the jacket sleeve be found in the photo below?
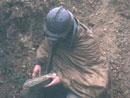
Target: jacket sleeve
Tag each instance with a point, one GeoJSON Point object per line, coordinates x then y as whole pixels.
{"type": "Point", "coordinates": [41, 54]}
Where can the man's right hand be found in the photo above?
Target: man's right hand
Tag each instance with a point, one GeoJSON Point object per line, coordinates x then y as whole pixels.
{"type": "Point", "coordinates": [37, 70]}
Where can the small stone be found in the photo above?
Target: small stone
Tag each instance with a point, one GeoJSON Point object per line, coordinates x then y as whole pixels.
{"type": "Point", "coordinates": [117, 68]}
{"type": "Point", "coordinates": [17, 8]}
{"type": "Point", "coordinates": [1, 82]}
{"type": "Point", "coordinates": [23, 66]}
{"type": "Point", "coordinates": [126, 92]}
{"type": "Point", "coordinates": [117, 31]}
{"type": "Point", "coordinates": [74, 9]}
{"type": "Point", "coordinates": [96, 14]}
{"type": "Point", "coordinates": [33, 48]}
{"type": "Point", "coordinates": [105, 29]}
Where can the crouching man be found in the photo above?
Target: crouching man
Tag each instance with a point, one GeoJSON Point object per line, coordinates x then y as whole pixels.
{"type": "Point", "coordinates": [78, 62]}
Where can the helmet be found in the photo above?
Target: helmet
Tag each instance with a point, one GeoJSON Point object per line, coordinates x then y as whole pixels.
{"type": "Point", "coordinates": [58, 23]}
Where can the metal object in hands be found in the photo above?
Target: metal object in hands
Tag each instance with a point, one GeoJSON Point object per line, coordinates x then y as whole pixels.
{"type": "Point", "coordinates": [34, 84]}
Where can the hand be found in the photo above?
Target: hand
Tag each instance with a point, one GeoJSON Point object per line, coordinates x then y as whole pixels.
{"type": "Point", "coordinates": [36, 70]}
{"type": "Point", "coordinates": [55, 80]}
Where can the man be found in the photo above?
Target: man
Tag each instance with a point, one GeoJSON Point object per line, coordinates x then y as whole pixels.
{"type": "Point", "coordinates": [78, 62]}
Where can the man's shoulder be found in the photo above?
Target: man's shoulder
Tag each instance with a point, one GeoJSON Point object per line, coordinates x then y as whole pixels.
{"type": "Point", "coordinates": [84, 30]}
{"type": "Point", "coordinates": [82, 25]}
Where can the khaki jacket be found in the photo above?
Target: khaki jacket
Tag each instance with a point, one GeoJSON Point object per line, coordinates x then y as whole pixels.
{"type": "Point", "coordinates": [83, 69]}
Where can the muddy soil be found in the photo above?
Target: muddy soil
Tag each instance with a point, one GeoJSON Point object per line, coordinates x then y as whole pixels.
{"type": "Point", "coordinates": [21, 25]}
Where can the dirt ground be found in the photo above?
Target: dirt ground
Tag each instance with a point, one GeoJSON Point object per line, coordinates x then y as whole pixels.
{"type": "Point", "coordinates": [21, 24]}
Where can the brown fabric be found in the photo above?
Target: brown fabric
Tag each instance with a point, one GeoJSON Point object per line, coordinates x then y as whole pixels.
{"type": "Point", "coordinates": [83, 69]}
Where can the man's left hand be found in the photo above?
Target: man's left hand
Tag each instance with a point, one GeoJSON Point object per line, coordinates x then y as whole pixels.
{"type": "Point", "coordinates": [55, 80]}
